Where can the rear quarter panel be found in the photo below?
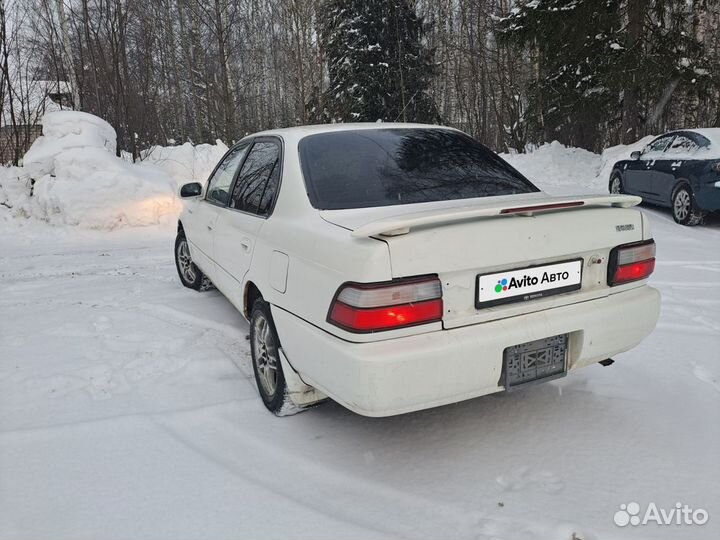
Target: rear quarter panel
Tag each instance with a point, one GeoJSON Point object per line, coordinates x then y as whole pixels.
{"type": "Point", "coordinates": [673, 172]}
{"type": "Point", "coordinates": [320, 257]}
{"type": "Point", "coordinates": [698, 173]}
{"type": "Point", "coordinates": [702, 179]}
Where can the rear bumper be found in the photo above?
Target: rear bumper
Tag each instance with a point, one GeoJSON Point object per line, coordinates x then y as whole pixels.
{"type": "Point", "coordinates": [708, 198]}
{"type": "Point", "coordinates": [417, 372]}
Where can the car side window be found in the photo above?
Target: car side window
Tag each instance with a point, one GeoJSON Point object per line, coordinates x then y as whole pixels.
{"type": "Point", "coordinates": [259, 179]}
{"type": "Point", "coordinates": [703, 145]}
{"type": "Point", "coordinates": [701, 141]}
{"type": "Point", "coordinates": [657, 147]}
{"type": "Point", "coordinates": [219, 184]}
{"type": "Point", "coordinates": [682, 145]}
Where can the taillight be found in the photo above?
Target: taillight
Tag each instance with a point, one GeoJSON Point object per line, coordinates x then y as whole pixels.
{"type": "Point", "coordinates": [372, 307]}
{"type": "Point", "coordinates": [631, 262]}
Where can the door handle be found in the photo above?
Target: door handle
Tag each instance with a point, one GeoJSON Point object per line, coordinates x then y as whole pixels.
{"type": "Point", "coordinates": [209, 227]}
{"type": "Point", "coordinates": [245, 244]}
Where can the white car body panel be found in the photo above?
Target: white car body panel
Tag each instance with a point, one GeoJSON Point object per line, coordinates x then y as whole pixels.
{"type": "Point", "coordinates": [299, 256]}
{"type": "Point", "coordinates": [235, 236]}
{"type": "Point", "coordinates": [431, 369]}
{"type": "Point", "coordinates": [199, 218]}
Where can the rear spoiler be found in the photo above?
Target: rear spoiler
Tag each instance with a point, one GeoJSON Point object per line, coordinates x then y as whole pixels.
{"type": "Point", "coordinates": [402, 224]}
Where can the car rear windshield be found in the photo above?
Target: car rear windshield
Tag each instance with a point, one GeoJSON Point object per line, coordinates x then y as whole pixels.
{"type": "Point", "coordinates": [383, 167]}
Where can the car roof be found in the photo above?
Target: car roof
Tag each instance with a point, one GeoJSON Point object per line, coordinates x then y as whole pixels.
{"type": "Point", "coordinates": [712, 150]}
{"type": "Point", "coordinates": [298, 132]}
{"type": "Point", "coordinates": [711, 134]}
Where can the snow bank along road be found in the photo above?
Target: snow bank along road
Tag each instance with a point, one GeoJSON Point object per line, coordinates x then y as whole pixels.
{"type": "Point", "coordinates": [128, 410]}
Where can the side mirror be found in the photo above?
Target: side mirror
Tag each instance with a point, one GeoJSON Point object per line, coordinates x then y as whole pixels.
{"type": "Point", "coordinates": [194, 189]}
{"type": "Point", "coordinates": [635, 155]}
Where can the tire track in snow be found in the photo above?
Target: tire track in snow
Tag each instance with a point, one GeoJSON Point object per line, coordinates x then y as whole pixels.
{"type": "Point", "coordinates": [250, 476]}
{"type": "Point", "coordinates": [703, 374]}
{"type": "Point", "coordinates": [238, 348]}
{"type": "Point", "coordinates": [19, 432]}
{"type": "Point", "coordinates": [85, 271]}
{"type": "Point", "coordinates": [233, 332]}
{"type": "Point", "coordinates": [321, 489]}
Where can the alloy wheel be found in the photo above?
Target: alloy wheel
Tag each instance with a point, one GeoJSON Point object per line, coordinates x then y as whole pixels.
{"type": "Point", "coordinates": [185, 261]}
{"type": "Point", "coordinates": [681, 205]}
{"type": "Point", "coordinates": [266, 359]}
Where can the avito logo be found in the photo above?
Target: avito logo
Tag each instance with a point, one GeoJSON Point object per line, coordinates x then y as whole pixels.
{"type": "Point", "coordinates": [514, 283]}
{"type": "Point", "coordinates": [528, 281]}
{"type": "Point", "coordinates": [681, 514]}
{"type": "Point", "coordinates": [501, 285]}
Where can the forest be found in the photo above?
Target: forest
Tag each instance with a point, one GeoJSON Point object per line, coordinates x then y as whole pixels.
{"type": "Point", "coordinates": [512, 73]}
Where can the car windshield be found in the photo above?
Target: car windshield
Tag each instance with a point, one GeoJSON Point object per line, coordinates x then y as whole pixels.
{"type": "Point", "coordinates": [383, 167]}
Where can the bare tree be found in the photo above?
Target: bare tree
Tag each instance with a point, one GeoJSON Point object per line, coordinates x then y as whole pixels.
{"type": "Point", "coordinates": [180, 70]}
{"type": "Point", "coordinates": [70, 69]}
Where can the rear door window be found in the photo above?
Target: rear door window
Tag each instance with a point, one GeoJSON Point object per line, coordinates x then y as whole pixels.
{"type": "Point", "coordinates": [681, 146]}
{"type": "Point", "coordinates": [259, 179]}
{"type": "Point", "coordinates": [382, 167]}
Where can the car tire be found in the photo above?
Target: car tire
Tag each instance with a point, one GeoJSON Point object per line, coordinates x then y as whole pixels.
{"type": "Point", "coordinates": [616, 187]}
{"type": "Point", "coordinates": [190, 275]}
{"type": "Point", "coordinates": [265, 353]}
{"type": "Point", "coordinates": [683, 206]}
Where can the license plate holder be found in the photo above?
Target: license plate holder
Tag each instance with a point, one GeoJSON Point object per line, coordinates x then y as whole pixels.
{"type": "Point", "coordinates": [535, 361]}
{"type": "Point", "coordinates": [518, 285]}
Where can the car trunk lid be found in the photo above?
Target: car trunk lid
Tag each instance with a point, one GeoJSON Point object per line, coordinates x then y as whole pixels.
{"type": "Point", "coordinates": [460, 241]}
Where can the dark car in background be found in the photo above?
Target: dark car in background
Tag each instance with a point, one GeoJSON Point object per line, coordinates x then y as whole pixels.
{"type": "Point", "coordinates": [679, 170]}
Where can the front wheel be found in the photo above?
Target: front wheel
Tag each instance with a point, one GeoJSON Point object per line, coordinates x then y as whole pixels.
{"type": "Point", "coordinates": [190, 275]}
{"type": "Point", "coordinates": [684, 209]}
{"type": "Point", "coordinates": [616, 187]}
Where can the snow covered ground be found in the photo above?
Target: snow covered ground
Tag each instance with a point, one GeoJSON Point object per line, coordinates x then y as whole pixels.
{"type": "Point", "coordinates": [128, 410]}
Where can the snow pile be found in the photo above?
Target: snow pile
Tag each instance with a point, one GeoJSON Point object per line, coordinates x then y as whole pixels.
{"type": "Point", "coordinates": [13, 193]}
{"type": "Point", "coordinates": [612, 155]}
{"type": "Point", "coordinates": [563, 170]}
{"type": "Point", "coordinates": [186, 163]}
{"type": "Point", "coordinates": [94, 189]}
{"type": "Point", "coordinates": [559, 169]}
{"type": "Point", "coordinates": [79, 181]}
{"type": "Point", "coordinates": [63, 130]}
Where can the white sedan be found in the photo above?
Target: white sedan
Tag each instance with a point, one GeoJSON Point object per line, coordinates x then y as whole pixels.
{"type": "Point", "coordinates": [396, 267]}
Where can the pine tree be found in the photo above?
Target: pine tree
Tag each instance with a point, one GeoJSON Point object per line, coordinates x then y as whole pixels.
{"type": "Point", "coordinates": [596, 74]}
{"type": "Point", "coordinates": [574, 42]}
{"type": "Point", "coordinates": [379, 67]}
